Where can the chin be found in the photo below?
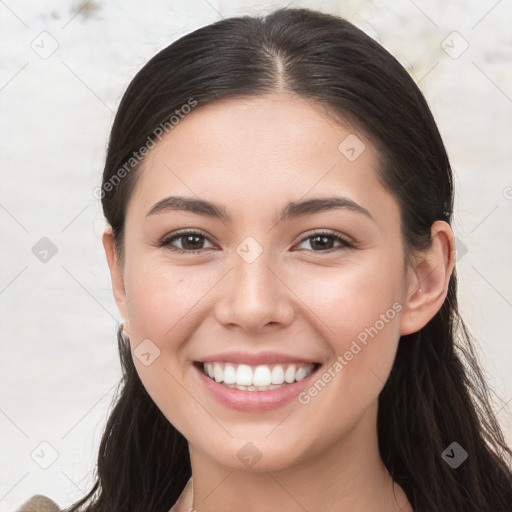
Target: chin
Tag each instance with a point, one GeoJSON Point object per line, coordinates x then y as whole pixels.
{"type": "Point", "coordinates": [255, 456]}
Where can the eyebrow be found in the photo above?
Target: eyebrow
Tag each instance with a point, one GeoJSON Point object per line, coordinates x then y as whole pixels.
{"type": "Point", "coordinates": [290, 211]}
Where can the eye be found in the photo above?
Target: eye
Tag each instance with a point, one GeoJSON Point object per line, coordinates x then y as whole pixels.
{"type": "Point", "coordinates": [323, 240]}
{"type": "Point", "coordinates": [190, 242]}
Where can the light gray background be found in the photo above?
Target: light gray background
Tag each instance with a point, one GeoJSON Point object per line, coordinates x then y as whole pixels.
{"type": "Point", "coordinates": [59, 363]}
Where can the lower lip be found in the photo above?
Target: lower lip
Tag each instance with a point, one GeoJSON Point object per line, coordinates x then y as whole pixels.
{"type": "Point", "coordinates": [253, 400]}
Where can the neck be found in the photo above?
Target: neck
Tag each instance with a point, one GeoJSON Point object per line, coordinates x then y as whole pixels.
{"type": "Point", "coordinates": [350, 474]}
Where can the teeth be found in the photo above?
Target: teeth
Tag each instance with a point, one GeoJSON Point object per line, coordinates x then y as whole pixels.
{"type": "Point", "coordinates": [217, 372]}
{"type": "Point", "coordinates": [277, 374]}
{"type": "Point", "coordinates": [254, 388]}
{"type": "Point", "coordinates": [262, 376]}
{"type": "Point", "coordinates": [289, 374]}
{"type": "Point", "coordinates": [301, 374]}
{"type": "Point", "coordinates": [256, 378]}
{"type": "Point", "coordinates": [243, 375]}
{"type": "Point", "coordinates": [229, 374]}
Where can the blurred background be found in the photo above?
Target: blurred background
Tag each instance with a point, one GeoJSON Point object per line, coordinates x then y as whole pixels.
{"type": "Point", "coordinates": [64, 66]}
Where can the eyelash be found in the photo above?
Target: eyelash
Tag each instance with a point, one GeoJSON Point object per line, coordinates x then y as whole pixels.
{"type": "Point", "coordinates": [166, 242]}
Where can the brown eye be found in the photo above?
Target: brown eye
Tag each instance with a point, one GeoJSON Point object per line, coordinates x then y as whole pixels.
{"type": "Point", "coordinates": [324, 241]}
{"type": "Point", "coordinates": [191, 242]}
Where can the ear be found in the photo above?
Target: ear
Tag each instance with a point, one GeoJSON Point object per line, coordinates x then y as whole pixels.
{"type": "Point", "coordinates": [431, 274]}
{"type": "Point", "coordinates": [116, 273]}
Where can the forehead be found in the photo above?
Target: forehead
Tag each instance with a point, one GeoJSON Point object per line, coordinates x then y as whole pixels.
{"type": "Point", "coordinates": [259, 153]}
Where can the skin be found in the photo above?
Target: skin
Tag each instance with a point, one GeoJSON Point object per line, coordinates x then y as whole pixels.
{"type": "Point", "coordinates": [253, 156]}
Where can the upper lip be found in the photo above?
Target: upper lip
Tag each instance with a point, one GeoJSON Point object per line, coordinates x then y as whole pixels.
{"type": "Point", "coordinates": [253, 359]}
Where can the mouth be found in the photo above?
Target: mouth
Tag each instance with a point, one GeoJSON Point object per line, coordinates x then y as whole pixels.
{"type": "Point", "coordinates": [259, 378]}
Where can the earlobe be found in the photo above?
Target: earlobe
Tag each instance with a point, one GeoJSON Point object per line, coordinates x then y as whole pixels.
{"type": "Point", "coordinates": [430, 277]}
{"type": "Point", "coordinates": [116, 274]}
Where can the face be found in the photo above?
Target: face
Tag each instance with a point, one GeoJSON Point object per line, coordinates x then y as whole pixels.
{"type": "Point", "coordinates": [322, 289]}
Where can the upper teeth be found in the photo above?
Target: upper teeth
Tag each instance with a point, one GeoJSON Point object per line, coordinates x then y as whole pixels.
{"type": "Point", "coordinates": [262, 375]}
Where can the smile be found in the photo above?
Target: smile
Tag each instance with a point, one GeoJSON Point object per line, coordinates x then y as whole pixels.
{"type": "Point", "coordinates": [254, 388]}
{"type": "Point", "coordinates": [257, 378]}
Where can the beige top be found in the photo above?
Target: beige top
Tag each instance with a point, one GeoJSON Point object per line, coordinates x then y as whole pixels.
{"type": "Point", "coordinates": [184, 503]}
{"type": "Point", "coordinates": [40, 503]}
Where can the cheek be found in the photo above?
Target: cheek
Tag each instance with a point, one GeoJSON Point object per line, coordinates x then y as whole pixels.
{"type": "Point", "coordinates": [351, 298]}
{"type": "Point", "coordinates": [164, 303]}
{"type": "Point", "coordinates": [357, 312]}
{"type": "Point", "coordinates": [162, 298]}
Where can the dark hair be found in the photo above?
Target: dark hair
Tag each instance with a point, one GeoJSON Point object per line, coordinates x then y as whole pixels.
{"type": "Point", "coordinates": [436, 393]}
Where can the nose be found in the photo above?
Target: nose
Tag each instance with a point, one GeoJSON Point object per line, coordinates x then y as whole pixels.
{"type": "Point", "coordinates": [254, 295]}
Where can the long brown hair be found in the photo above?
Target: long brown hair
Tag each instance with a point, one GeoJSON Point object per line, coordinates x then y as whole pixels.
{"type": "Point", "coordinates": [436, 393]}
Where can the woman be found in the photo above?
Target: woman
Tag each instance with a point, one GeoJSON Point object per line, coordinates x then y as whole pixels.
{"type": "Point", "coordinates": [279, 205]}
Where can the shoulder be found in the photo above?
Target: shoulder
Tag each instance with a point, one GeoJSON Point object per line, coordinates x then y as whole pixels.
{"type": "Point", "coordinates": [39, 503]}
